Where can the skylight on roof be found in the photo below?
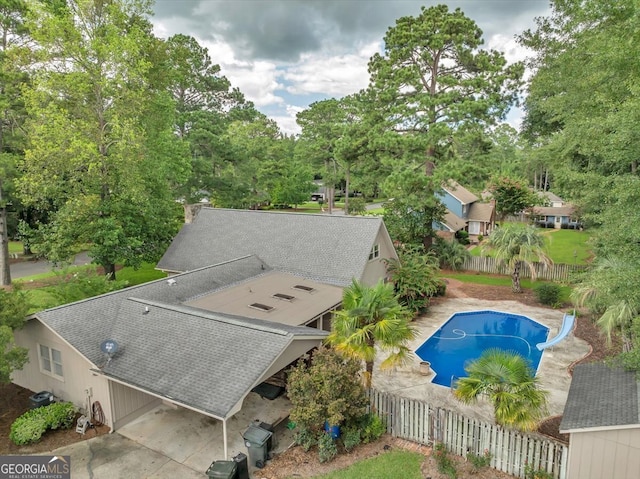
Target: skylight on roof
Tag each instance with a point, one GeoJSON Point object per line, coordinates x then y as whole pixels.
{"type": "Point", "coordinates": [284, 297]}
{"type": "Point", "coordinates": [261, 307]}
{"type": "Point", "coordinates": [302, 287]}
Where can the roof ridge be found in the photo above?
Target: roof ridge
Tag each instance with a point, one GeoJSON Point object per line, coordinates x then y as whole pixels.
{"type": "Point", "coordinates": [214, 316]}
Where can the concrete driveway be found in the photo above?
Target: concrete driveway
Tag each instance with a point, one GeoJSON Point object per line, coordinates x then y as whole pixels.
{"type": "Point", "coordinates": [173, 442]}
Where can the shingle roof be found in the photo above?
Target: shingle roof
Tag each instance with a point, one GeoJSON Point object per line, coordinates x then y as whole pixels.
{"type": "Point", "coordinates": [481, 212]}
{"type": "Point", "coordinates": [177, 351]}
{"type": "Point", "coordinates": [453, 221]}
{"type": "Point", "coordinates": [299, 243]}
{"type": "Point", "coordinates": [460, 192]}
{"type": "Point", "coordinates": [554, 211]}
{"type": "Point", "coordinates": [601, 397]}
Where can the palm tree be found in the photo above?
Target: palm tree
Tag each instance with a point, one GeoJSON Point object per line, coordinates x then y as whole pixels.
{"type": "Point", "coordinates": [516, 245]}
{"type": "Point", "coordinates": [509, 383]}
{"type": "Point", "coordinates": [370, 316]}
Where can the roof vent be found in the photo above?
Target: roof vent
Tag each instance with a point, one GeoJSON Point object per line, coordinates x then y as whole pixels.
{"type": "Point", "coordinates": [302, 287]}
{"type": "Point", "coordinates": [284, 297]}
{"type": "Point", "coordinates": [171, 281]}
{"type": "Point", "coordinates": [261, 307]}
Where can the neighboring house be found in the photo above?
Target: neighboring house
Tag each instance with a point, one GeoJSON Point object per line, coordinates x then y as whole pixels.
{"type": "Point", "coordinates": [559, 215]}
{"type": "Point", "coordinates": [329, 248]}
{"type": "Point", "coordinates": [257, 292]}
{"type": "Point", "coordinates": [465, 212]}
{"type": "Point", "coordinates": [602, 418]}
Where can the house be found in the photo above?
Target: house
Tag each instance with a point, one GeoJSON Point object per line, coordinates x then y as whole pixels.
{"type": "Point", "coordinates": [204, 338]}
{"type": "Point", "coordinates": [558, 215]}
{"type": "Point", "coordinates": [329, 248]}
{"type": "Point", "coordinates": [464, 212]}
{"type": "Point", "coordinates": [602, 418]}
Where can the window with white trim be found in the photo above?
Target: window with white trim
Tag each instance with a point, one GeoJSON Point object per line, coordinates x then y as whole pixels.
{"type": "Point", "coordinates": [50, 361]}
{"type": "Point", "coordinates": [375, 252]}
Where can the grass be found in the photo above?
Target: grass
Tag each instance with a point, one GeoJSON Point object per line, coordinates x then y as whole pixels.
{"type": "Point", "coordinates": [563, 246]}
{"type": "Point", "coordinates": [384, 466]}
{"type": "Point", "coordinates": [15, 247]}
{"type": "Point", "coordinates": [41, 298]}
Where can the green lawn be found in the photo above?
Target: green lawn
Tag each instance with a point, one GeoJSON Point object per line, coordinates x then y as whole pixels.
{"type": "Point", "coordinates": [15, 247]}
{"type": "Point", "coordinates": [564, 246]}
{"type": "Point", "coordinates": [41, 298]}
{"type": "Point", "coordinates": [384, 466]}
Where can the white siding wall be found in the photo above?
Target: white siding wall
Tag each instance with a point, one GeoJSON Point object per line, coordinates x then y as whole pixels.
{"type": "Point", "coordinates": [76, 370]}
{"type": "Point", "coordinates": [599, 454]}
{"type": "Point", "coordinates": [375, 269]}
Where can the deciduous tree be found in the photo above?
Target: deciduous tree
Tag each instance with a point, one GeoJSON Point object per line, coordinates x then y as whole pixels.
{"type": "Point", "coordinates": [102, 155]}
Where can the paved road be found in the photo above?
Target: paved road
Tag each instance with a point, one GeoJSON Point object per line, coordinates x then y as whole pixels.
{"type": "Point", "coordinates": [29, 268]}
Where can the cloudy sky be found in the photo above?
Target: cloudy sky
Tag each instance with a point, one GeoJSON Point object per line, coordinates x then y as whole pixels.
{"type": "Point", "coordinates": [286, 54]}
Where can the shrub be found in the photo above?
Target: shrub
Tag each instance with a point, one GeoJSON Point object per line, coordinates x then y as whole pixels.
{"type": "Point", "coordinates": [306, 439]}
{"type": "Point", "coordinates": [327, 448]}
{"type": "Point", "coordinates": [30, 427]}
{"type": "Point", "coordinates": [478, 462]}
{"type": "Point", "coordinates": [444, 462]}
{"type": "Point", "coordinates": [463, 237]}
{"type": "Point", "coordinates": [548, 293]}
{"type": "Point", "coordinates": [451, 254]}
{"type": "Point", "coordinates": [372, 428]}
{"type": "Point", "coordinates": [351, 437]}
{"type": "Point", "coordinates": [531, 473]}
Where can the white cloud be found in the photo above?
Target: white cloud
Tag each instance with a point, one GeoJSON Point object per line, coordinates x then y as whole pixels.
{"type": "Point", "coordinates": [508, 45]}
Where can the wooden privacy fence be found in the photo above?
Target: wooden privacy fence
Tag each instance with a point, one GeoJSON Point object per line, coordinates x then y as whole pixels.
{"type": "Point", "coordinates": [510, 450]}
{"type": "Point", "coordinates": [556, 272]}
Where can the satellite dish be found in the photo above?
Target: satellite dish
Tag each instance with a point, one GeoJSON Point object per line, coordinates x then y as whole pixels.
{"type": "Point", "coordinates": [109, 347]}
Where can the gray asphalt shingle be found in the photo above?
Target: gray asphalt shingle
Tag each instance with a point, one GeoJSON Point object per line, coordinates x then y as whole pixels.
{"type": "Point", "coordinates": [332, 248]}
{"type": "Point", "coordinates": [177, 351]}
{"type": "Point", "coordinates": [601, 396]}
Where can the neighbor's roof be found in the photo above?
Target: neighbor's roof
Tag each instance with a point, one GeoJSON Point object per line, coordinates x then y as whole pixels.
{"type": "Point", "coordinates": [551, 211]}
{"type": "Point", "coordinates": [601, 397]}
{"type": "Point", "coordinates": [453, 222]}
{"type": "Point", "coordinates": [550, 196]}
{"type": "Point", "coordinates": [460, 192]}
{"type": "Point", "coordinates": [481, 212]}
{"type": "Point", "coordinates": [330, 248]}
{"type": "Point", "coordinates": [177, 351]}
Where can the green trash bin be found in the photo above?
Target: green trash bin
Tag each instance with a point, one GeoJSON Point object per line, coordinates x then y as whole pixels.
{"type": "Point", "coordinates": [222, 470]}
{"type": "Point", "coordinates": [256, 438]}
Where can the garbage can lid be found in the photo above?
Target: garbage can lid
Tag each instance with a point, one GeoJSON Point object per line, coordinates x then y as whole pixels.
{"type": "Point", "coordinates": [222, 469]}
{"type": "Point", "coordinates": [256, 435]}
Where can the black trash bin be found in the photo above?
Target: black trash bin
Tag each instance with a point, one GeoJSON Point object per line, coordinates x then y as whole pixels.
{"type": "Point", "coordinates": [222, 470]}
{"type": "Point", "coordinates": [255, 438]}
{"type": "Point", "coordinates": [43, 398]}
{"type": "Point", "coordinates": [243, 466]}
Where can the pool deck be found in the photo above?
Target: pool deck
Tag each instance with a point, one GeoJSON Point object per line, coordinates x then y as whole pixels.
{"type": "Point", "coordinates": [553, 370]}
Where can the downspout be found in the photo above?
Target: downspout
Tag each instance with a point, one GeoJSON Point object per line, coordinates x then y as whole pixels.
{"type": "Point", "coordinates": [224, 438]}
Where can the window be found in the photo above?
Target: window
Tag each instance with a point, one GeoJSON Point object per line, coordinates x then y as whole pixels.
{"type": "Point", "coordinates": [51, 361]}
{"type": "Point", "coordinates": [375, 252]}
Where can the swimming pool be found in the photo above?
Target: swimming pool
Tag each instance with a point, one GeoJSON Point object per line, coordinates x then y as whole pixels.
{"type": "Point", "coordinates": [466, 335]}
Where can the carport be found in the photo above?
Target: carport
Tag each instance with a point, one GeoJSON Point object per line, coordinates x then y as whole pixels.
{"type": "Point", "coordinates": [225, 359]}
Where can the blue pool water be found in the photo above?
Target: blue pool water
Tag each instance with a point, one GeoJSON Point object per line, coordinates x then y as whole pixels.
{"type": "Point", "coordinates": [465, 336]}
